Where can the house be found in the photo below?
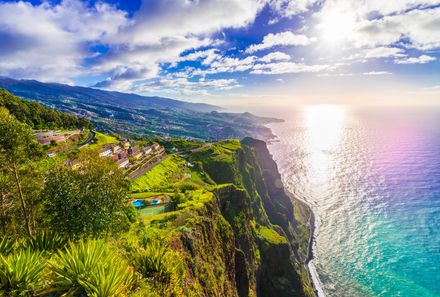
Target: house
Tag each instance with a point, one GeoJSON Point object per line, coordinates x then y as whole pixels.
{"type": "Point", "coordinates": [116, 148]}
{"type": "Point", "coordinates": [123, 163]}
{"type": "Point", "coordinates": [105, 152]}
{"type": "Point", "coordinates": [126, 145]}
{"type": "Point", "coordinates": [46, 138]}
{"type": "Point", "coordinates": [147, 150]}
{"type": "Point", "coordinates": [122, 155]}
{"type": "Point", "coordinates": [156, 146]}
{"type": "Point", "coordinates": [134, 152]}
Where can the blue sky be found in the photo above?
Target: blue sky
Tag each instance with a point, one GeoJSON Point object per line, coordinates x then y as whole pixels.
{"type": "Point", "coordinates": [233, 51]}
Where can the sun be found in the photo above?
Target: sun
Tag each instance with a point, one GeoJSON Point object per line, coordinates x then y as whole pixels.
{"type": "Point", "coordinates": [336, 26]}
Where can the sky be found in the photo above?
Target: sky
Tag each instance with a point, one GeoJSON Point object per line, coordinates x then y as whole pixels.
{"type": "Point", "coordinates": [231, 52]}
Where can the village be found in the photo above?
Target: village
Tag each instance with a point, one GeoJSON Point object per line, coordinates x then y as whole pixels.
{"type": "Point", "coordinates": [133, 158]}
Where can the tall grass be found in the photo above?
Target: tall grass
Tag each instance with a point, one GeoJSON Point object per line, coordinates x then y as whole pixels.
{"type": "Point", "coordinates": [21, 273]}
{"type": "Point", "coordinates": [6, 246]}
{"type": "Point", "coordinates": [45, 241]}
{"type": "Point", "coordinates": [89, 268]}
{"type": "Point", "coordinates": [161, 266]}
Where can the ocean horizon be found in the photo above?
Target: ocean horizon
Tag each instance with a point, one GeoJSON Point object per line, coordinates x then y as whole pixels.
{"type": "Point", "coordinates": [372, 178]}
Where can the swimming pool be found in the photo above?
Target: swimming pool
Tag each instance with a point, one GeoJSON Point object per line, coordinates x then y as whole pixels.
{"type": "Point", "coordinates": [140, 202]}
{"type": "Point", "coordinates": [137, 203]}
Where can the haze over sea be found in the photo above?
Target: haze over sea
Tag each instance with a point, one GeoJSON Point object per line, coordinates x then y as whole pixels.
{"type": "Point", "coordinates": [372, 177]}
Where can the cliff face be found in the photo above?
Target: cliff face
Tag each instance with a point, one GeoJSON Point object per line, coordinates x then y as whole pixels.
{"type": "Point", "coordinates": [248, 227]}
{"type": "Point", "coordinates": [240, 234]}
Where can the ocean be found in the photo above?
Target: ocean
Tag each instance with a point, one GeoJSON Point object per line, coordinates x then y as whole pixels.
{"type": "Point", "coordinates": [372, 178]}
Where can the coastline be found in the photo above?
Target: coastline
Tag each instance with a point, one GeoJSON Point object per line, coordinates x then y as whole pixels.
{"type": "Point", "coordinates": [308, 263]}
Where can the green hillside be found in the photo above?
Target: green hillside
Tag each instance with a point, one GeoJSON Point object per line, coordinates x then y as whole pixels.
{"type": "Point", "coordinates": [38, 116]}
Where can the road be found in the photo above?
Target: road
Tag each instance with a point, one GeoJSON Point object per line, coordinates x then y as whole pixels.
{"type": "Point", "coordinates": [88, 140]}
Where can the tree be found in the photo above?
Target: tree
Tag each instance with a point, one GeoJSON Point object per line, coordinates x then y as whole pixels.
{"type": "Point", "coordinates": [18, 146]}
{"type": "Point", "coordinates": [89, 200]}
{"type": "Point", "coordinates": [6, 201]}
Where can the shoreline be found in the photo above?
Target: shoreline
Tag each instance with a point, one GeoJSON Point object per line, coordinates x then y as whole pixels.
{"type": "Point", "coordinates": [308, 263]}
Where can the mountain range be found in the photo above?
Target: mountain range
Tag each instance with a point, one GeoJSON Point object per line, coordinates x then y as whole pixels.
{"type": "Point", "coordinates": [141, 116]}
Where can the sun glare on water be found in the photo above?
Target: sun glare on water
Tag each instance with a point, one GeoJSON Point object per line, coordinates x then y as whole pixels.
{"type": "Point", "coordinates": [323, 133]}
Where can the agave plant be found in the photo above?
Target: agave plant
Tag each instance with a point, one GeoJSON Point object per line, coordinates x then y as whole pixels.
{"type": "Point", "coordinates": [21, 273]}
{"type": "Point", "coordinates": [161, 265]}
{"type": "Point", "coordinates": [45, 241]}
{"type": "Point", "coordinates": [89, 268]}
{"type": "Point", "coordinates": [6, 246]}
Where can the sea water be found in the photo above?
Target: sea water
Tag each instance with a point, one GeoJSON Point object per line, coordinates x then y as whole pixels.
{"type": "Point", "coordinates": [372, 177]}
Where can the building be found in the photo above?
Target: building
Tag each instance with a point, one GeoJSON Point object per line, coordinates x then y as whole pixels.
{"type": "Point", "coordinates": [134, 152]}
{"type": "Point", "coordinates": [156, 147]}
{"type": "Point", "coordinates": [123, 163]}
{"type": "Point", "coordinates": [126, 145]}
{"type": "Point", "coordinates": [116, 148]}
{"type": "Point", "coordinates": [147, 150]}
{"type": "Point", "coordinates": [122, 155]}
{"type": "Point", "coordinates": [48, 137]}
{"type": "Point", "coordinates": [105, 152]}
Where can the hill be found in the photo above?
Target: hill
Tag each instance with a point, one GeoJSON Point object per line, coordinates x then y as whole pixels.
{"type": "Point", "coordinates": [48, 92]}
{"type": "Point", "coordinates": [38, 116]}
{"type": "Point", "coordinates": [138, 116]}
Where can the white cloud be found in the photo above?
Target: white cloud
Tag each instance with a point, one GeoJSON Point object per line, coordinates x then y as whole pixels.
{"type": "Point", "coordinates": [423, 59]}
{"type": "Point", "coordinates": [375, 73]}
{"type": "Point", "coordinates": [433, 88]}
{"type": "Point", "coordinates": [50, 42]}
{"type": "Point", "coordinates": [275, 56]}
{"type": "Point", "coordinates": [183, 86]}
{"type": "Point", "coordinates": [289, 8]}
{"type": "Point", "coordinates": [377, 29]}
{"type": "Point", "coordinates": [47, 41]}
{"type": "Point", "coordinates": [384, 52]}
{"type": "Point", "coordinates": [287, 67]}
{"type": "Point", "coordinates": [280, 39]}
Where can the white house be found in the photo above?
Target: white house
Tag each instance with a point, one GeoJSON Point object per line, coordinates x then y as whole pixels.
{"type": "Point", "coordinates": [123, 163]}
{"type": "Point", "coordinates": [147, 150]}
{"type": "Point", "coordinates": [105, 152]}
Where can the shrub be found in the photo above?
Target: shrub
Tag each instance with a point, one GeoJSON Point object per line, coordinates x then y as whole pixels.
{"type": "Point", "coordinates": [6, 246]}
{"type": "Point", "coordinates": [162, 266]}
{"type": "Point", "coordinates": [89, 268]}
{"type": "Point", "coordinates": [21, 273]}
{"type": "Point", "coordinates": [131, 213]}
{"type": "Point", "coordinates": [45, 241]}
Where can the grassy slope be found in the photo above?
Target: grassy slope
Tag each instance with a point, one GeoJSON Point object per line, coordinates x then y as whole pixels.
{"type": "Point", "coordinates": [102, 139]}
{"type": "Point", "coordinates": [162, 177]}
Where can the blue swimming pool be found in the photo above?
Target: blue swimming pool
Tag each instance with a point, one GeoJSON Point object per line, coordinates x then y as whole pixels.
{"type": "Point", "coordinates": [140, 202]}
{"type": "Point", "coordinates": [137, 203]}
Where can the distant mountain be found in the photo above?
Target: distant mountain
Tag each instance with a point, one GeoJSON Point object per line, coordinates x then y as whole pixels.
{"type": "Point", "coordinates": [32, 89]}
{"type": "Point", "coordinates": [139, 116]}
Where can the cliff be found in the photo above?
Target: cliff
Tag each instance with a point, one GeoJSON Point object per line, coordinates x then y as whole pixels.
{"type": "Point", "coordinates": [239, 236]}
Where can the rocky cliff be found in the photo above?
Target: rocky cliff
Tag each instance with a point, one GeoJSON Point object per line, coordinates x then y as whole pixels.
{"type": "Point", "coordinates": [242, 235]}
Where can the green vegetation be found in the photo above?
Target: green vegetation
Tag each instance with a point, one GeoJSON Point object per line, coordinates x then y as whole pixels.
{"type": "Point", "coordinates": [21, 273]}
{"type": "Point", "coordinates": [162, 177]}
{"type": "Point", "coordinates": [229, 230]}
{"type": "Point", "coordinates": [270, 235]}
{"type": "Point", "coordinates": [90, 268]}
{"type": "Point", "coordinates": [39, 117]}
{"type": "Point", "coordinates": [102, 139]}
{"type": "Point", "coordinates": [156, 262]}
{"type": "Point", "coordinates": [85, 201]}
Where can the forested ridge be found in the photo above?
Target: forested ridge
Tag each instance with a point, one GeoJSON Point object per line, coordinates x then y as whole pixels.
{"type": "Point", "coordinates": [37, 116]}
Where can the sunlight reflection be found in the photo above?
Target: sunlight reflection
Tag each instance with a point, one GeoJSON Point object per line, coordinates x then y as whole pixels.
{"type": "Point", "coordinates": [324, 126]}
